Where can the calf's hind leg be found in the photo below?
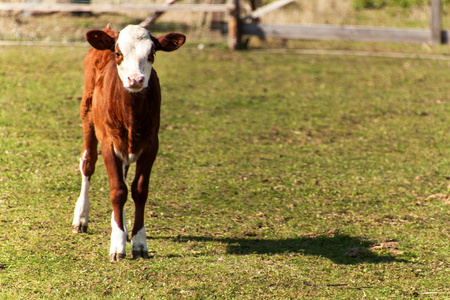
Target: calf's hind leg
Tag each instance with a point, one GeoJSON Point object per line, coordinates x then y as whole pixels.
{"type": "Point", "coordinates": [87, 168]}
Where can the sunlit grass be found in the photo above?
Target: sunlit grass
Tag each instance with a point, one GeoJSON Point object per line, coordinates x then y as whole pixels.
{"type": "Point", "coordinates": [279, 175]}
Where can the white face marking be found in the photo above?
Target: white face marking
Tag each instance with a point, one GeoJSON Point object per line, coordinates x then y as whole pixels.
{"type": "Point", "coordinates": [118, 237]}
{"type": "Point", "coordinates": [135, 44]}
{"type": "Point", "coordinates": [81, 213]}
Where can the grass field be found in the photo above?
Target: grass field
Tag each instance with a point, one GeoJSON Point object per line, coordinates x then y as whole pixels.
{"type": "Point", "coordinates": [279, 176]}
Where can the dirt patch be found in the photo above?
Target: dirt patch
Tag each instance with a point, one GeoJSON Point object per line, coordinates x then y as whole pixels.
{"type": "Point", "coordinates": [389, 246]}
{"type": "Point", "coordinates": [445, 198]}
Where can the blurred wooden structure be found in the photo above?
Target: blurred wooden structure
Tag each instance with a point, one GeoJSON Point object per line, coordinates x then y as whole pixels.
{"type": "Point", "coordinates": [240, 26]}
{"type": "Point", "coordinates": [110, 8]}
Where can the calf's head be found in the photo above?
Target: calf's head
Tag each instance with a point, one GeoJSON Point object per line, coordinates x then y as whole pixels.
{"type": "Point", "coordinates": [134, 49]}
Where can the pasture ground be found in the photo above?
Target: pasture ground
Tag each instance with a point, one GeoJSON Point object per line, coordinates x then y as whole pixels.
{"type": "Point", "coordinates": [279, 176]}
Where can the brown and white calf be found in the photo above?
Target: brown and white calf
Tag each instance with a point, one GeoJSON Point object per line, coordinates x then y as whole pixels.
{"type": "Point", "coordinates": [121, 109]}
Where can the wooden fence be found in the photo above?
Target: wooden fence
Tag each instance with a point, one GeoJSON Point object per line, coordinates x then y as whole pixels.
{"type": "Point", "coordinates": [248, 26]}
{"type": "Point", "coordinates": [240, 26]}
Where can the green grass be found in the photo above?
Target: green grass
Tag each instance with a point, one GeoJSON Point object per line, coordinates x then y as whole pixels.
{"type": "Point", "coordinates": [271, 168]}
{"type": "Point", "coordinates": [377, 4]}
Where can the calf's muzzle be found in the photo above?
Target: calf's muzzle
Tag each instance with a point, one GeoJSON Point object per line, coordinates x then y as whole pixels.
{"type": "Point", "coordinates": [136, 81]}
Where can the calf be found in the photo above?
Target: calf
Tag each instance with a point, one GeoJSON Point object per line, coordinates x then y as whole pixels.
{"type": "Point", "coordinates": [121, 109]}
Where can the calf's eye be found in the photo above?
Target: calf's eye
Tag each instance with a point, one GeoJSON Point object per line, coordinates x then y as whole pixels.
{"type": "Point", "coordinates": [151, 56]}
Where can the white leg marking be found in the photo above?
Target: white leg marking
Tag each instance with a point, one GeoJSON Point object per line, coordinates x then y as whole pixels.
{"type": "Point", "coordinates": [118, 239]}
{"type": "Point", "coordinates": [82, 208]}
{"type": "Point", "coordinates": [139, 244]}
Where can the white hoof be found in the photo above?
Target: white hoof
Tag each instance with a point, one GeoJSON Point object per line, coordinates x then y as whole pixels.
{"type": "Point", "coordinates": [118, 240]}
{"type": "Point", "coordinates": [139, 244]}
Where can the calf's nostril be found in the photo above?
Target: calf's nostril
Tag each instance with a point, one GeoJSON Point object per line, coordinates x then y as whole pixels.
{"type": "Point", "coordinates": [140, 79]}
{"type": "Point", "coordinates": [131, 81]}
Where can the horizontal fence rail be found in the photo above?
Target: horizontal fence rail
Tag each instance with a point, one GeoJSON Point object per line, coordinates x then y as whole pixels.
{"type": "Point", "coordinates": [259, 12]}
{"type": "Point", "coordinates": [104, 8]}
{"type": "Point", "coordinates": [348, 33]}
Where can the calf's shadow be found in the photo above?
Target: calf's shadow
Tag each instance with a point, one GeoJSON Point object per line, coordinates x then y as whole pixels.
{"type": "Point", "coordinates": [335, 247]}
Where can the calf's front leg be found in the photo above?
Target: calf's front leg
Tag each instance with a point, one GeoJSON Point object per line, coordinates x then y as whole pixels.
{"type": "Point", "coordinates": [118, 196]}
{"type": "Point", "coordinates": [139, 192]}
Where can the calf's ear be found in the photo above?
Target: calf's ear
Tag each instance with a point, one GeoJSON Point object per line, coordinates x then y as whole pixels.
{"type": "Point", "coordinates": [169, 42]}
{"type": "Point", "coordinates": [100, 40]}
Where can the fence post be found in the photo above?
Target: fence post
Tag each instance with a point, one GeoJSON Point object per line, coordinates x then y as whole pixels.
{"type": "Point", "coordinates": [234, 25]}
{"type": "Point", "coordinates": [436, 22]}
